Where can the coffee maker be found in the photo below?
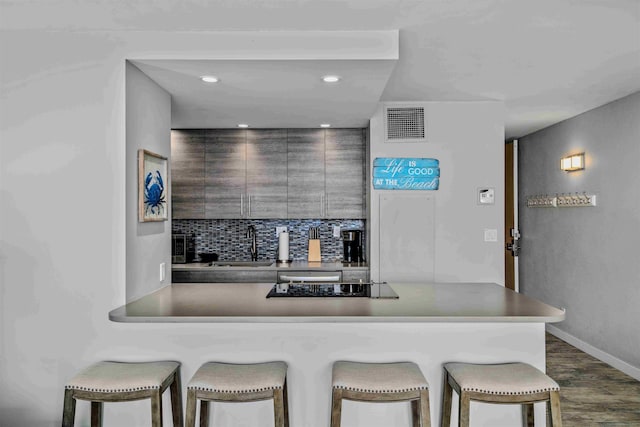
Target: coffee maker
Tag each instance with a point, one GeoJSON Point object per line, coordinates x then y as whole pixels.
{"type": "Point", "coordinates": [352, 240]}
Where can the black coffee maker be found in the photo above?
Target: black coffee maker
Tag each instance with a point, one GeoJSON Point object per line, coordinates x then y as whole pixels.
{"type": "Point", "coordinates": [352, 240]}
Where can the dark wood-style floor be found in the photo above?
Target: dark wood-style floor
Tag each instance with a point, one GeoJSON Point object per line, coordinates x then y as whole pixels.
{"type": "Point", "coordinates": [592, 393]}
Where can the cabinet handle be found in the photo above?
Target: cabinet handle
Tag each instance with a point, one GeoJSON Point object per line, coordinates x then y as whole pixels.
{"type": "Point", "coordinates": [241, 205]}
{"type": "Point", "coordinates": [326, 209]}
{"type": "Point", "coordinates": [322, 205]}
{"type": "Point", "coordinates": [309, 278]}
{"type": "Point", "coordinates": [249, 197]}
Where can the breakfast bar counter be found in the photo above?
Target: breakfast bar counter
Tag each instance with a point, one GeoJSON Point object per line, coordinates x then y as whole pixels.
{"type": "Point", "coordinates": [247, 302]}
{"type": "Point", "coordinates": [429, 324]}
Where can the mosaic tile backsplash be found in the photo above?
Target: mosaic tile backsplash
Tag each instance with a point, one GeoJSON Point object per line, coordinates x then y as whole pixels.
{"type": "Point", "coordinates": [228, 237]}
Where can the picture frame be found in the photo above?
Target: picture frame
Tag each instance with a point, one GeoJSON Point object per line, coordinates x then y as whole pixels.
{"type": "Point", "coordinates": [153, 203]}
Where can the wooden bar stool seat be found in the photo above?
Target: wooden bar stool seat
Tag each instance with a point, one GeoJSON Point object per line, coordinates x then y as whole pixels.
{"type": "Point", "coordinates": [227, 382]}
{"type": "Point", "coordinates": [380, 382]}
{"type": "Point", "coordinates": [514, 383]}
{"type": "Point", "coordinates": [122, 382]}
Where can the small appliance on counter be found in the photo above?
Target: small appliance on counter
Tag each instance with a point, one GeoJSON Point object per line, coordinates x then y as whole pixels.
{"type": "Point", "coordinates": [183, 248]}
{"type": "Point", "coordinates": [352, 241]}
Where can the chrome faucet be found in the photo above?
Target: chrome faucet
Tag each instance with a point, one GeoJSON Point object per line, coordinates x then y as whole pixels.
{"type": "Point", "coordinates": [251, 234]}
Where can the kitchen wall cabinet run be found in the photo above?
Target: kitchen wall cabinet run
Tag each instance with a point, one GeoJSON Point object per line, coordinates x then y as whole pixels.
{"type": "Point", "coordinates": [268, 173]}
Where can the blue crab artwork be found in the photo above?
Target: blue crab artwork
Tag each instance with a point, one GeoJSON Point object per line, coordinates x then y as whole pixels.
{"type": "Point", "coordinates": [154, 193]}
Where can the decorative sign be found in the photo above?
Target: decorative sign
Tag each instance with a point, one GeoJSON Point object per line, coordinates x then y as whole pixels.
{"type": "Point", "coordinates": [403, 173]}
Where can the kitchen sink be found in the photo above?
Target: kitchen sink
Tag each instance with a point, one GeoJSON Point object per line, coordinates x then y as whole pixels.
{"type": "Point", "coordinates": [241, 263]}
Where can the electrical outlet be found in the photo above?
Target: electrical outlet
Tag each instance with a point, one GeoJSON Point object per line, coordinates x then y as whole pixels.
{"type": "Point", "coordinates": [336, 231]}
{"type": "Point", "coordinates": [163, 271]}
{"type": "Point", "coordinates": [280, 229]}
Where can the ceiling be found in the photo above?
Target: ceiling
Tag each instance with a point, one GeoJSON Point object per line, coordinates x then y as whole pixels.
{"type": "Point", "coordinates": [270, 93]}
{"type": "Point", "coordinates": [547, 60]}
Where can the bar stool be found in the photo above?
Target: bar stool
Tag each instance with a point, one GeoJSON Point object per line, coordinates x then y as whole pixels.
{"type": "Point", "coordinates": [122, 382]}
{"type": "Point", "coordinates": [515, 383]}
{"type": "Point", "coordinates": [380, 382]}
{"type": "Point", "coordinates": [227, 382]}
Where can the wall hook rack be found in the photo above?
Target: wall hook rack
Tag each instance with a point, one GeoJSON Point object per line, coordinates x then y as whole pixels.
{"type": "Point", "coordinates": [562, 200]}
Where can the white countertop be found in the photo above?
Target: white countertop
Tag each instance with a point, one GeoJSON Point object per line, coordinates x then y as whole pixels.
{"type": "Point", "coordinates": [247, 302]}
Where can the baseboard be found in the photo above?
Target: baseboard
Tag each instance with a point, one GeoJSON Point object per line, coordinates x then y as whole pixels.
{"type": "Point", "coordinates": [621, 365]}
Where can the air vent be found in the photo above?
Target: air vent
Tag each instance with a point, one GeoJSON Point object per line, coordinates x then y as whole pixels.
{"type": "Point", "coordinates": [405, 124]}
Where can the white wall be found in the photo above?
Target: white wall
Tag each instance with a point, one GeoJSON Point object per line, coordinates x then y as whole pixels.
{"type": "Point", "coordinates": [586, 259]}
{"type": "Point", "coordinates": [468, 140]}
{"type": "Point", "coordinates": [64, 215]}
{"type": "Point", "coordinates": [148, 126]}
{"type": "Point", "coordinates": [64, 211]}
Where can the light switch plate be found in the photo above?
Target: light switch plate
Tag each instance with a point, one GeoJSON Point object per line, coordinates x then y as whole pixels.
{"type": "Point", "coordinates": [336, 231]}
{"type": "Point", "coordinates": [486, 196]}
{"type": "Point", "coordinates": [490, 235]}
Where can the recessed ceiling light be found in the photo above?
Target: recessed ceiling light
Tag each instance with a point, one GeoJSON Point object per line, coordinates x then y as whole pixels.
{"type": "Point", "coordinates": [243, 125]}
{"type": "Point", "coordinates": [330, 79]}
{"type": "Point", "coordinates": [325, 125]}
{"type": "Point", "coordinates": [210, 79]}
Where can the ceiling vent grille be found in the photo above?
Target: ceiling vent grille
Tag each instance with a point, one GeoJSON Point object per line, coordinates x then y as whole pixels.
{"type": "Point", "coordinates": [405, 124]}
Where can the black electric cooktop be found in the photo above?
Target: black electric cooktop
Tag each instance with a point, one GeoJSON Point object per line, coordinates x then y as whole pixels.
{"type": "Point", "coordinates": [348, 290]}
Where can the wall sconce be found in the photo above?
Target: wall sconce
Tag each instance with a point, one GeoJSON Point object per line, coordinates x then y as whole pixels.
{"type": "Point", "coordinates": [574, 162]}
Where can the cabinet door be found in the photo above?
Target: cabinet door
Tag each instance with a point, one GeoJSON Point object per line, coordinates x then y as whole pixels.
{"type": "Point", "coordinates": [266, 173]}
{"type": "Point", "coordinates": [225, 168]}
{"type": "Point", "coordinates": [187, 174]}
{"type": "Point", "coordinates": [305, 187]}
{"type": "Point", "coordinates": [345, 180]}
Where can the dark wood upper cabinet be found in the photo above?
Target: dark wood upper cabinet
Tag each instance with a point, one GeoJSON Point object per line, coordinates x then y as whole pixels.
{"type": "Point", "coordinates": [187, 174]}
{"type": "Point", "coordinates": [305, 173]}
{"type": "Point", "coordinates": [344, 173]}
{"type": "Point", "coordinates": [266, 190]}
{"type": "Point", "coordinates": [225, 173]}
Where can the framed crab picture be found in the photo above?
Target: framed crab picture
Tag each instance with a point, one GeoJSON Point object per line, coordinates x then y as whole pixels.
{"type": "Point", "coordinates": [152, 190]}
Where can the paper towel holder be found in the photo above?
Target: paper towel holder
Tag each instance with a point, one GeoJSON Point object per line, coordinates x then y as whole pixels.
{"type": "Point", "coordinates": [283, 257]}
